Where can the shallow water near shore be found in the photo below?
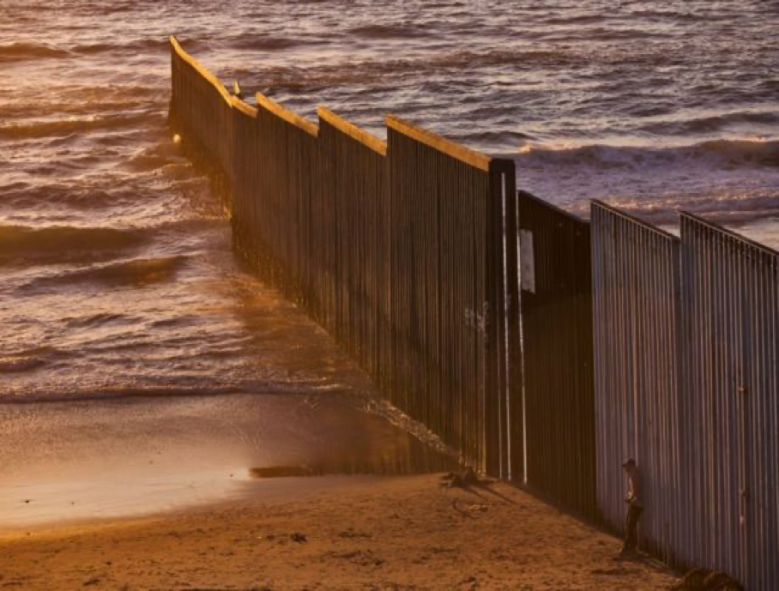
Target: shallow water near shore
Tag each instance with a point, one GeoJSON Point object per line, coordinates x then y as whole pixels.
{"type": "Point", "coordinates": [112, 458]}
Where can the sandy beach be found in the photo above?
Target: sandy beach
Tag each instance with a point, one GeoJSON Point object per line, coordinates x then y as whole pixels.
{"type": "Point", "coordinates": [208, 493]}
{"type": "Point", "coordinates": [68, 462]}
{"type": "Point", "coordinates": [339, 533]}
{"type": "Point", "coordinates": [534, 258]}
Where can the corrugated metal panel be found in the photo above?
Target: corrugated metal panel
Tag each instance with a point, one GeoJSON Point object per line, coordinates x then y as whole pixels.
{"type": "Point", "coordinates": [635, 278]}
{"type": "Point", "coordinates": [353, 179]}
{"type": "Point", "coordinates": [276, 163]}
{"type": "Point", "coordinates": [202, 108]}
{"type": "Point", "coordinates": [687, 381]}
{"type": "Point", "coordinates": [557, 333]}
{"type": "Point", "coordinates": [731, 335]}
{"type": "Point", "coordinates": [448, 301]}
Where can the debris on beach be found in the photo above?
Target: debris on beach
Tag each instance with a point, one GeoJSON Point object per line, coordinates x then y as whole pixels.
{"type": "Point", "coordinates": [462, 479]}
{"type": "Point", "coordinates": [360, 557]}
{"type": "Point", "coordinates": [351, 533]}
{"type": "Point", "coordinates": [282, 472]}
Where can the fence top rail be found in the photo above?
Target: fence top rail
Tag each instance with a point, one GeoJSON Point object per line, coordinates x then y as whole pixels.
{"type": "Point", "coordinates": [352, 130]}
{"type": "Point", "coordinates": [243, 107]}
{"type": "Point", "coordinates": [205, 73]}
{"type": "Point", "coordinates": [287, 115]}
{"type": "Point", "coordinates": [596, 204]}
{"type": "Point", "coordinates": [439, 143]}
{"type": "Point", "coordinates": [686, 215]}
{"type": "Point", "coordinates": [552, 207]}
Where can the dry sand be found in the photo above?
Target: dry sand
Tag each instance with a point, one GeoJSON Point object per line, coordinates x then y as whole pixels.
{"type": "Point", "coordinates": [357, 533]}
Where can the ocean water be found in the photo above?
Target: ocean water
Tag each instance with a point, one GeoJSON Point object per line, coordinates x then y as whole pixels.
{"type": "Point", "coordinates": [117, 277]}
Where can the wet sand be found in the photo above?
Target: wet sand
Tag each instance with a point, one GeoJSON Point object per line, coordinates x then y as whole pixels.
{"type": "Point", "coordinates": [107, 459]}
{"type": "Point", "coordinates": [348, 533]}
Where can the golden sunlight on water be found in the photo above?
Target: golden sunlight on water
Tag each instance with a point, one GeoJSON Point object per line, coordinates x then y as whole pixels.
{"type": "Point", "coordinates": [141, 365]}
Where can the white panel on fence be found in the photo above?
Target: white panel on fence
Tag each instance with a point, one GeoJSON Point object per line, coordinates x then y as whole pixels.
{"type": "Point", "coordinates": [527, 265]}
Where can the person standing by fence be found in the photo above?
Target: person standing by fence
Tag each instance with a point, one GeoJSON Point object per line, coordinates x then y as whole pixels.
{"type": "Point", "coordinates": [635, 507]}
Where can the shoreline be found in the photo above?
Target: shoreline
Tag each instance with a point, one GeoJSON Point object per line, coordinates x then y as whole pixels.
{"type": "Point", "coordinates": [75, 461]}
{"type": "Point", "coordinates": [118, 458]}
{"type": "Point", "coordinates": [268, 491]}
{"type": "Point", "coordinates": [364, 532]}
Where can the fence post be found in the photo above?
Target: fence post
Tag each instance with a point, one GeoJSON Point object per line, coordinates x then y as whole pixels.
{"type": "Point", "coordinates": [503, 341]}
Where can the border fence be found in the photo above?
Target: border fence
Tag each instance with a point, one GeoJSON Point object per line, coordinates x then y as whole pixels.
{"type": "Point", "coordinates": [398, 249]}
{"type": "Point", "coordinates": [557, 330]}
{"type": "Point", "coordinates": [543, 348]}
{"type": "Point", "coordinates": [638, 407]}
{"type": "Point", "coordinates": [687, 382]}
{"type": "Point", "coordinates": [730, 305]}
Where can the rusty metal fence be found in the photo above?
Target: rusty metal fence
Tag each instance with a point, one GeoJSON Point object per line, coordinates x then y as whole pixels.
{"type": "Point", "coordinates": [397, 249]}
{"type": "Point", "coordinates": [200, 103]}
{"type": "Point", "coordinates": [558, 363]}
{"type": "Point", "coordinates": [626, 341]}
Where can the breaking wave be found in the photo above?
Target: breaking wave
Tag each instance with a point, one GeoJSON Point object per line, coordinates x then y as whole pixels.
{"type": "Point", "coordinates": [712, 124]}
{"type": "Point", "coordinates": [727, 181]}
{"type": "Point", "coordinates": [24, 245]}
{"type": "Point", "coordinates": [133, 273]}
{"type": "Point", "coordinates": [30, 51]}
{"type": "Point", "coordinates": [65, 127]}
{"type": "Point", "coordinates": [85, 196]}
{"type": "Point", "coordinates": [27, 360]}
{"type": "Point", "coordinates": [389, 31]}
{"type": "Point", "coordinates": [266, 42]}
{"type": "Point", "coordinates": [138, 45]}
{"type": "Point", "coordinates": [729, 208]}
{"type": "Point", "coordinates": [712, 154]}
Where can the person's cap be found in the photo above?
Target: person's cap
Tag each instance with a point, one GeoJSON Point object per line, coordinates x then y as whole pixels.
{"type": "Point", "coordinates": [628, 462]}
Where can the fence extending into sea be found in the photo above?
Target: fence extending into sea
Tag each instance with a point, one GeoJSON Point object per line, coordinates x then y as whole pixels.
{"type": "Point", "coordinates": [543, 348]}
